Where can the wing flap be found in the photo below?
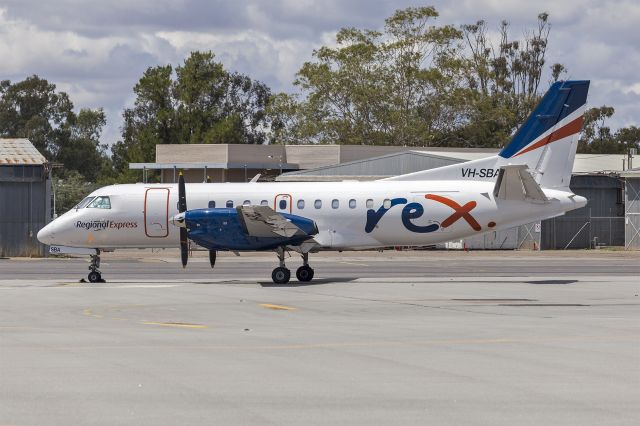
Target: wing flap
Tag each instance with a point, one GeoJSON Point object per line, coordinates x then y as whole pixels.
{"type": "Point", "coordinates": [263, 221]}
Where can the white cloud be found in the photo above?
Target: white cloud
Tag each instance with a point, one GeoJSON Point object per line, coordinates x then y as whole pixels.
{"type": "Point", "coordinates": [97, 50]}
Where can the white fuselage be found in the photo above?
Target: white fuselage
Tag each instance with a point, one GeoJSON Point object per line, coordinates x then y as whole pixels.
{"type": "Point", "coordinates": [141, 214]}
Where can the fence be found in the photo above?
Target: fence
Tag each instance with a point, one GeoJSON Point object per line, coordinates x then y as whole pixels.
{"type": "Point", "coordinates": [580, 232]}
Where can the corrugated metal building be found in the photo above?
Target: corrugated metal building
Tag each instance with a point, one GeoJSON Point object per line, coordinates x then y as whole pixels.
{"type": "Point", "coordinates": [599, 223]}
{"type": "Point", "coordinates": [632, 209]}
{"type": "Point", "coordinates": [25, 190]}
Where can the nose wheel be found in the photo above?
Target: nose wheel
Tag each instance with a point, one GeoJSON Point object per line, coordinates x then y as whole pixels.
{"type": "Point", "coordinates": [94, 275]}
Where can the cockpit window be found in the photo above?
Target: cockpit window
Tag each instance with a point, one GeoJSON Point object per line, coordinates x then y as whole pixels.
{"type": "Point", "coordinates": [100, 203]}
{"type": "Point", "coordinates": [84, 202]}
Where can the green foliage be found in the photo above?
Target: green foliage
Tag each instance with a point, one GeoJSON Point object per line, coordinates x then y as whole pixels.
{"type": "Point", "coordinates": [33, 109]}
{"type": "Point", "coordinates": [70, 188]}
{"type": "Point", "coordinates": [597, 138]}
{"type": "Point", "coordinates": [416, 83]}
{"type": "Point", "coordinates": [200, 103]}
{"type": "Point", "coordinates": [375, 88]}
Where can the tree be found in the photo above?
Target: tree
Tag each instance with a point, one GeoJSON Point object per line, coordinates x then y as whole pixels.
{"type": "Point", "coordinates": [200, 102]}
{"type": "Point", "coordinates": [503, 81]}
{"type": "Point", "coordinates": [376, 88]}
{"type": "Point", "coordinates": [597, 138]}
{"type": "Point", "coordinates": [33, 109]}
{"type": "Point", "coordinates": [416, 84]}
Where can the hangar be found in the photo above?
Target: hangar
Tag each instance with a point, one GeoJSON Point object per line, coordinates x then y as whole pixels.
{"type": "Point", "coordinates": [595, 176]}
{"type": "Point", "coordinates": [25, 191]}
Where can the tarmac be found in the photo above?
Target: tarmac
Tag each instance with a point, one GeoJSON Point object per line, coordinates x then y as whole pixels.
{"type": "Point", "coordinates": [407, 338]}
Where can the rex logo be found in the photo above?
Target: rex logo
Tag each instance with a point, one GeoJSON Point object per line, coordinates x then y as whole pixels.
{"type": "Point", "coordinates": [415, 210]}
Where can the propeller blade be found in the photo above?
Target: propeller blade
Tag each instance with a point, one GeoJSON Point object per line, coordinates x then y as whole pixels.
{"type": "Point", "coordinates": [184, 235]}
{"type": "Point", "coordinates": [184, 247]}
{"type": "Point", "coordinates": [182, 195]}
{"type": "Point", "coordinates": [212, 258]}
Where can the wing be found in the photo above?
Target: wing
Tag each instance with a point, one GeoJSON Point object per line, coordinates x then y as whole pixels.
{"type": "Point", "coordinates": [516, 183]}
{"type": "Point", "coordinates": [263, 221]}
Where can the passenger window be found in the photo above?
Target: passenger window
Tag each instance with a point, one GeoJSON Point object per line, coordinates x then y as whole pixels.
{"type": "Point", "coordinates": [335, 204]}
{"type": "Point", "coordinates": [229, 204]}
{"type": "Point", "coordinates": [84, 202]}
{"type": "Point", "coordinates": [301, 204]}
{"type": "Point", "coordinates": [369, 203]}
{"type": "Point", "coordinates": [212, 204]}
{"type": "Point", "coordinates": [246, 203]}
{"type": "Point", "coordinates": [264, 203]}
{"type": "Point", "coordinates": [317, 204]}
{"type": "Point", "coordinates": [282, 205]}
{"type": "Point", "coordinates": [100, 203]}
{"type": "Point", "coordinates": [352, 203]}
{"type": "Point", "coordinates": [386, 203]}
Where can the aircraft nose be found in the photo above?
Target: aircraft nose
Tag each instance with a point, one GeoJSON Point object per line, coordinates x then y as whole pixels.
{"type": "Point", "coordinates": [46, 235]}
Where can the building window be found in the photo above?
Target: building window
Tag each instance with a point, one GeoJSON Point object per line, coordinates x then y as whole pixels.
{"type": "Point", "coordinates": [229, 204]}
{"type": "Point", "coordinates": [246, 203]}
{"type": "Point", "coordinates": [386, 203]}
{"type": "Point", "coordinates": [100, 203]}
{"type": "Point", "coordinates": [317, 204]}
{"type": "Point", "coordinates": [335, 204]}
{"type": "Point", "coordinates": [282, 205]}
{"type": "Point", "coordinates": [301, 204]}
{"type": "Point", "coordinates": [352, 203]}
{"type": "Point", "coordinates": [264, 203]}
{"type": "Point", "coordinates": [369, 203]}
{"type": "Point", "coordinates": [212, 204]}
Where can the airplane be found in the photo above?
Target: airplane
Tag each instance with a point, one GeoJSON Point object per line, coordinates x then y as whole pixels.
{"type": "Point", "coordinates": [527, 181]}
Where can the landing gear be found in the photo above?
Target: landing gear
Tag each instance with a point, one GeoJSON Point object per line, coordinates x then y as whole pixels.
{"type": "Point", "coordinates": [305, 272]}
{"type": "Point", "coordinates": [95, 276]}
{"type": "Point", "coordinates": [281, 274]}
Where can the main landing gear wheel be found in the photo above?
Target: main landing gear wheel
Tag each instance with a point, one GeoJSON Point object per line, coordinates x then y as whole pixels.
{"type": "Point", "coordinates": [281, 275]}
{"type": "Point", "coordinates": [304, 273]}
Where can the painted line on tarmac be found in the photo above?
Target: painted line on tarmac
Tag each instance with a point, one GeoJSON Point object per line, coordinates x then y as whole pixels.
{"type": "Point", "coordinates": [175, 324]}
{"type": "Point", "coordinates": [278, 307]}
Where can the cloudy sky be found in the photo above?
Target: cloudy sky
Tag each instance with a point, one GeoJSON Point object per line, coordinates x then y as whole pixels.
{"type": "Point", "coordinates": [97, 50]}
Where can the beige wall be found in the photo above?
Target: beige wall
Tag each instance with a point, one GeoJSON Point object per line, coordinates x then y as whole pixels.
{"type": "Point", "coordinates": [192, 153]}
{"type": "Point", "coordinates": [311, 156]}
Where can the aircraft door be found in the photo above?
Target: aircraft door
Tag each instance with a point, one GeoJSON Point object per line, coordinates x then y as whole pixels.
{"type": "Point", "coordinates": [156, 212]}
{"type": "Point", "coordinates": [283, 203]}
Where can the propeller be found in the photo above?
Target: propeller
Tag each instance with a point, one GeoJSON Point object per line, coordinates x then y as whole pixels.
{"type": "Point", "coordinates": [182, 208]}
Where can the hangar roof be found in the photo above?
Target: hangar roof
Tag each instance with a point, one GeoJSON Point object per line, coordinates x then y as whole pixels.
{"type": "Point", "coordinates": [412, 161]}
{"type": "Point", "coordinates": [19, 152]}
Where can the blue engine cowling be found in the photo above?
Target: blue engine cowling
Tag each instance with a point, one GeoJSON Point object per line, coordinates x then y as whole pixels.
{"type": "Point", "coordinates": [222, 229]}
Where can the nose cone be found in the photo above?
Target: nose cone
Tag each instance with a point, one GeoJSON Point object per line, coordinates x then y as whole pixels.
{"type": "Point", "coordinates": [46, 234]}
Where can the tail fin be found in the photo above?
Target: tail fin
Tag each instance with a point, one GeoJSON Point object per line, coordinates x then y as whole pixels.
{"type": "Point", "coordinates": [546, 143]}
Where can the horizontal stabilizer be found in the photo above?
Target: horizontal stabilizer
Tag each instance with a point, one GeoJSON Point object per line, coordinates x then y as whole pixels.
{"type": "Point", "coordinates": [516, 183]}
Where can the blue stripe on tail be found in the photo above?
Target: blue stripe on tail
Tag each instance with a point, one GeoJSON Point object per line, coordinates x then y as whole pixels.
{"type": "Point", "coordinates": [561, 99]}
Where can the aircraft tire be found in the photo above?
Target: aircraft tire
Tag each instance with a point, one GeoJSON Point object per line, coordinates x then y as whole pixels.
{"type": "Point", "coordinates": [94, 277]}
{"type": "Point", "coordinates": [304, 273]}
{"type": "Point", "coordinates": [281, 275]}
